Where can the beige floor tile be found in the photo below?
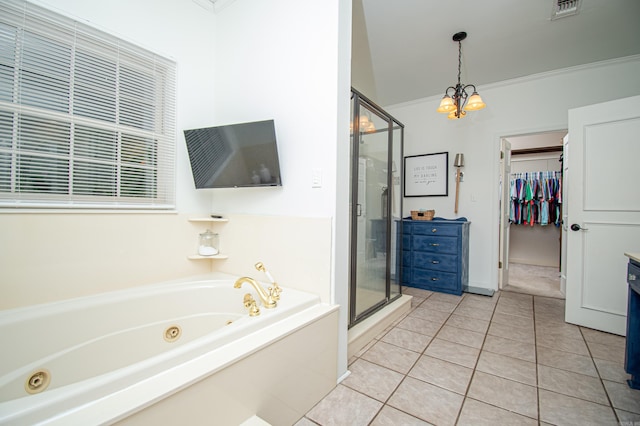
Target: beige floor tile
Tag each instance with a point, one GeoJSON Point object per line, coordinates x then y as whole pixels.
{"type": "Point", "coordinates": [445, 297]}
{"type": "Point", "coordinates": [514, 309]}
{"type": "Point", "coordinates": [560, 409]}
{"type": "Point", "coordinates": [430, 314]}
{"type": "Point", "coordinates": [627, 418]}
{"type": "Point", "coordinates": [344, 406]}
{"type": "Point", "coordinates": [623, 397]}
{"type": "Point", "coordinates": [511, 332]}
{"type": "Point", "coordinates": [558, 330]}
{"type": "Point", "coordinates": [571, 384]}
{"type": "Point", "coordinates": [453, 352]}
{"type": "Point", "coordinates": [407, 339]}
{"type": "Point", "coordinates": [305, 422]}
{"type": "Point", "coordinates": [472, 312]}
{"type": "Point", "coordinates": [513, 320]}
{"type": "Point", "coordinates": [462, 336]}
{"type": "Point", "coordinates": [503, 393]}
{"type": "Point", "coordinates": [416, 301]}
{"type": "Point", "coordinates": [507, 367]}
{"type": "Point", "coordinates": [389, 416]}
{"type": "Point", "coordinates": [479, 326]}
{"type": "Point", "coordinates": [512, 348]}
{"type": "Point", "coordinates": [391, 356]}
{"type": "Point", "coordinates": [476, 413]}
{"type": "Point", "coordinates": [441, 373]}
{"type": "Point", "coordinates": [418, 292]}
{"type": "Point", "coordinates": [372, 380]}
{"type": "Point", "coordinates": [427, 402]}
{"type": "Point", "coordinates": [603, 338]}
{"type": "Point", "coordinates": [418, 325]}
{"type": "Point", "coordinates": [612, 353]}
{"type": "Point", "coordinates": [566, 361]}
{"type": "Point", "coordinates": [439, 305]}
{"type": "Point", "coordinates": [561, 344]}
{"type": "Point", "coordinates": [365, 348]}
{"type": "Point", "coordinates": [478, 302]}
{"type": "Point", "coordinates": [612, 371]}
{"type": "Point", "coordinates": [516, 296]}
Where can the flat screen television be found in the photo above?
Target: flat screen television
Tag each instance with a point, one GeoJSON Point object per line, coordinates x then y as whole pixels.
{"type": "Point", "coordinates": [234, 155]}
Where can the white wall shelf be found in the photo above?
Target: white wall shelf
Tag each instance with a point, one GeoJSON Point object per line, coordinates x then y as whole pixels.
{"type": "Point", "coordinates": [217, 256]}
{"type": "Point", "coordinates": [208, 219]}
{"type": "Point", "coordinates": [205, 219]}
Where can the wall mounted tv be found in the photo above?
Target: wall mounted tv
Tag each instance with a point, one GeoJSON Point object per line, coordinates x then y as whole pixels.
{"type": "Point", "coordinates": [234, 155]}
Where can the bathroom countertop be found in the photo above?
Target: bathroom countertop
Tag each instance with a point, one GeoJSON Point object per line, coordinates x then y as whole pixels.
{"type": "Point", "coordinates": [633, 256]}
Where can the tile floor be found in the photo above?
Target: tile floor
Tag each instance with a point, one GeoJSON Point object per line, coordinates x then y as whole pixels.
{"type": "Point", "coordinates": [509, 359]}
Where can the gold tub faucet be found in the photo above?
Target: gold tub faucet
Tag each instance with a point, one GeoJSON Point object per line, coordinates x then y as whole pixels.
{"type": "Point", "coordinates": [267, 299]}
{"type": "Point", "coordinates": [276, 289]}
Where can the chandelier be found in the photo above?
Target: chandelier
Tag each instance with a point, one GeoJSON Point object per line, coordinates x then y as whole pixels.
{"type": "Point", "coordinates": [456, 100]}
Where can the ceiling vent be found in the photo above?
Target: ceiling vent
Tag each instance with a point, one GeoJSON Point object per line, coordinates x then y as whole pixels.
{"type": "Point", "coordinates": [564, 8]}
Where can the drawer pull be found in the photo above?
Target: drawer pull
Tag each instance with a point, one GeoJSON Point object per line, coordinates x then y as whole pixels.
{"type": "Point", "coordinates": [632, 277]}
{"type": "Point", "coordinates": [434, 244]}
{"type": "Point", "coordinates": [435, 262]}
{"type": "Point", "coordinates": [434, 230]}
{"type": "Point", "coordinates": [434, 279]}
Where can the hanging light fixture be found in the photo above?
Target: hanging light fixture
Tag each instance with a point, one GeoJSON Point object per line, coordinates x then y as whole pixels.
{"type": "Point", "coordinates": [455, 102]}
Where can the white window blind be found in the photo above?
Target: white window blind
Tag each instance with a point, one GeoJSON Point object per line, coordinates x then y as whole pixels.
{"type": "Point", "coordinates": [86, 119]}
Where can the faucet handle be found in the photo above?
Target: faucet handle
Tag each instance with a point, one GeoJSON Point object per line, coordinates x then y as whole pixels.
{"type": "Point", "coordinates": [275, 291]}
{"type": "Point", "coordinates": [251, 305]}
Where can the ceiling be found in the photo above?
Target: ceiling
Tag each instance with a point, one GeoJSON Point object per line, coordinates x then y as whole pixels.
{"type": "Point", "coordinates": [403, 49]}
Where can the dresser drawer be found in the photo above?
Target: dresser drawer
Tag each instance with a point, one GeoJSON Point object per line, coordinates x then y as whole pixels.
{"type": "Point", "coordinates": [435, 261]}
{"type": "Point", "coordinates": [436, 280]}
{"type": "Point", "coordinates": [434, 228]}
{"type": "Point", "coordinates": [435, 244]}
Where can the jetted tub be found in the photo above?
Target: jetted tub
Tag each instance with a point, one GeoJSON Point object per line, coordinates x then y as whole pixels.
{"type": "Point", "coordinates": [98, 359]}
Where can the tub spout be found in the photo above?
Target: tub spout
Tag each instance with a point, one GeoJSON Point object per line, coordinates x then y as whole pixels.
{"type": "Point", "coordinates": [266, 298]}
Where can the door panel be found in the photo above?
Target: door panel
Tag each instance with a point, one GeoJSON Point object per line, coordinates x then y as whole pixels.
{"type": "Point", "coordinates": [505, 205]}
{"type": "Point", "coordinates": [603, 212]}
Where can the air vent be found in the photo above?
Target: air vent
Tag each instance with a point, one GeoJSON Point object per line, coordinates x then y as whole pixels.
{"type": "Point", "coordinates": [564, 8]}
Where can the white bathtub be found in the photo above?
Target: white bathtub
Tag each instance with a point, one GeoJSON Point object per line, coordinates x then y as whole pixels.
{"type": "Point", "coordinates": [107, 356]}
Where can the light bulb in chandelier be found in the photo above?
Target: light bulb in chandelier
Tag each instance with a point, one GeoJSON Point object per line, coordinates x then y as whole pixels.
{"type": "Point", "coordinates": [454, 115]}
{"type": "Point", "coordinates": [446, 105]}
{"type": "Point", "coordinates": [475, 102]}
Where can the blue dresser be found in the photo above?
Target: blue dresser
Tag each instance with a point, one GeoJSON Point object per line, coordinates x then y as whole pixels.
{"type": "Point", "coordinates": [632, 352]}
{"type": "Point", "coordinates": [435, 255]}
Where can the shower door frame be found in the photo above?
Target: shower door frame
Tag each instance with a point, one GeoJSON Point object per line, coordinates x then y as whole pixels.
{"type": "Point", "coordinates": [393, 124]}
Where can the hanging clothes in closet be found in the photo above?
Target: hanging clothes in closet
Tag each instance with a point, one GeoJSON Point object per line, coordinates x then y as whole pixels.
{"type": "Point", "coordinates": [536, 198]}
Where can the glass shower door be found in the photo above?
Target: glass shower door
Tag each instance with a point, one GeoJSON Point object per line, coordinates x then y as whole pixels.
{"type": "Point", "coordinates": [370, 224]}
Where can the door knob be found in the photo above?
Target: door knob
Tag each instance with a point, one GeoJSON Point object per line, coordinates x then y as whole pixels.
{"type": "Point", "coordinates": [576, 227]}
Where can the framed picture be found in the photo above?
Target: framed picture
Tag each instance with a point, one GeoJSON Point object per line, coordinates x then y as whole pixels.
{"type": "Point", "coordinates": [426, 175]}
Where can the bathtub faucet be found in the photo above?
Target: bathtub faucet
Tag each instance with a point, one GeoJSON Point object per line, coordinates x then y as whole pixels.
{"type": "Point", "coordinates": [267, 298]}
{"type": "Point", "coordinates": [275, 290]}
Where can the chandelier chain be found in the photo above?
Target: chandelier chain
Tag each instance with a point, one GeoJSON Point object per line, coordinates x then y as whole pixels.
{"type": "Point", "coordinates": [459, 60]}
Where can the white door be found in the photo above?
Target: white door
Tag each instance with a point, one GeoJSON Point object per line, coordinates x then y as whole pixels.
{"type": "Point", "coordinates": [505, 206]}
{"type": "Point", "coordinates": [603, 211]}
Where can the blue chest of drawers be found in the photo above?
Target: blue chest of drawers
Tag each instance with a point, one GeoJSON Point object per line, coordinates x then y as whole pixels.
{"type": "Point", "coordinates": [435, 255]}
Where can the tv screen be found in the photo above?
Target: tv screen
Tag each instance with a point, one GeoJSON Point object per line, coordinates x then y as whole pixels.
{"type": "Point", "coordinates": [234, 155]}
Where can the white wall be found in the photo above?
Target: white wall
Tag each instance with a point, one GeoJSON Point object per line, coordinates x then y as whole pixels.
{"type": "Point", "coordinates": [253, 60]}
{"type": "Point", "coordinates": [528, 105]}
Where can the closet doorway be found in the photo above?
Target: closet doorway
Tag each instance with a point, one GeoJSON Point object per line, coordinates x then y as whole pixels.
{"type": "Point", "coordinates": [531, 220]}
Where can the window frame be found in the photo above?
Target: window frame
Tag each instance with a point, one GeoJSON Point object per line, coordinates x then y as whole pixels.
{"type": "Point", "coordinates": [117, 109]}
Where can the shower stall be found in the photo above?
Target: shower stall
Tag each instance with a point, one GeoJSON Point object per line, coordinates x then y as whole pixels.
{"type": "Point", "coordinates": [376, 207]}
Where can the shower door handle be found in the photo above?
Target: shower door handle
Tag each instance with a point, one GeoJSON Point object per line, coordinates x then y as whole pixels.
{"type": "Point", "coordinates": [358, 209]}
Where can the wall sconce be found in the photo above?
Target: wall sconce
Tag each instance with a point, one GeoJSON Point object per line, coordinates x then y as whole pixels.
{"type": "Point", "coordinates": [458, 163]}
